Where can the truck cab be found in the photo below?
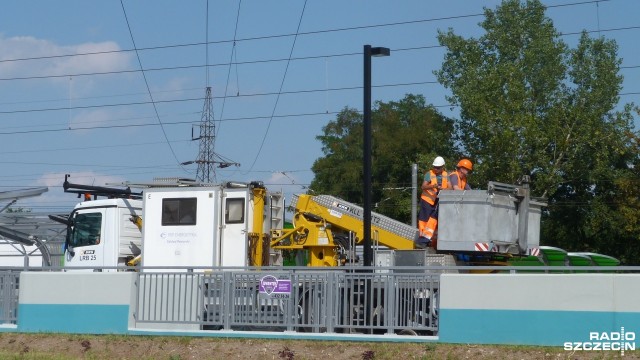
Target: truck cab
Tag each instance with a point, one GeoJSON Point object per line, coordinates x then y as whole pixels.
{"type": "Point", "coordinates": [100, 233]}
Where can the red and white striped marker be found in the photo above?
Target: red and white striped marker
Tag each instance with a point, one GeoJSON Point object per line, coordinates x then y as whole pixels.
{"type": "Point", "coordinates": [482, 246]}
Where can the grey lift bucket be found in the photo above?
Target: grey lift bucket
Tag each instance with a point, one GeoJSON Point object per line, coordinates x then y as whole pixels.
{"type": "Point", "coordinates": [489, 220]}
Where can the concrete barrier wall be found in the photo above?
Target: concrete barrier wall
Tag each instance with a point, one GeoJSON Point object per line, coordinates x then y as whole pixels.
{"type": "Point", "coordinates": [89, 303]}
{"type": "Point", "coordinates": [519, 309]}
{"type": "Point", "coordinates": [537, 309]}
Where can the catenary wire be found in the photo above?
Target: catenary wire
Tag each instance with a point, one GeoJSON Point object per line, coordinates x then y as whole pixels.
{"type": "Point", "coordinates": [399, 23]}
{"type": "Point", "coordinates": [155, 109]}
{"type": "Point", "coordinates": [184, 67]}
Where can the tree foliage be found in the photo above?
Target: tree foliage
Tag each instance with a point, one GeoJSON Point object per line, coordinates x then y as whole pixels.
{"type": "Point", "coordinates": [531, 105]}
{"type": "Point", "coordinates": [404, 132]}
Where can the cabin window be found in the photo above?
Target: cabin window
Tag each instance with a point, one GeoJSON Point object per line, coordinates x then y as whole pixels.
{"type": "Point", "coordinates": [234, 213]}
{"type": "Point", "coordinates": [86, 229]}
{"type": "Point", "coordinates": [181, 211]}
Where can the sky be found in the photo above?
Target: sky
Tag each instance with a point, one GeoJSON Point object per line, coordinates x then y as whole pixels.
{"type": "Point", "coordinates": [113, 91]}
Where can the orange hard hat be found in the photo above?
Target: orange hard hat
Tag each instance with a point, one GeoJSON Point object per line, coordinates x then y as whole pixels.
{"type": "Point", "coordinates": [465, 163]}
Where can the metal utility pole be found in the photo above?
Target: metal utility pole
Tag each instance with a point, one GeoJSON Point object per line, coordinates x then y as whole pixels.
{"type": "Point", "coordinates": [206, 172]}
{"type": "Point", "coordinates": [366, 110]}
{"type": "Point", "coordinates": [207, 158]}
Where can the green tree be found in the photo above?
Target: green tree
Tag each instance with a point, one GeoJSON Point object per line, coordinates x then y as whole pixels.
{"type": "Point", "coordinates": [531, 105]}
{"type": "Point", "coordinates": [404, 132]}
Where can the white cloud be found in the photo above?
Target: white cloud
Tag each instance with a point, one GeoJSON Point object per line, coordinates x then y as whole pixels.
{"type": "Point", "coordinates": [23, 47]}
{"type": "Point", "coordinates": [288, 183]}
{"type": "Point", "coordinates": [57, 198]}
{"type": "Point", "coordinates": [281, 178]}
{"type": "Point", "coordinates": [54, 200]}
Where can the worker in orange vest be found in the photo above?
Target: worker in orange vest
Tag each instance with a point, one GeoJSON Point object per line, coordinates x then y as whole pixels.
{"type": "Point", "coordinates": [435, 180]}
{"type": "Point", "coordinates": [458, 179]}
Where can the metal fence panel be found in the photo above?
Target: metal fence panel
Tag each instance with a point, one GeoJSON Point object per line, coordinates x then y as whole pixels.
{"type": "Point", "coordinates": [169, 297]}
{"type": "Point", "coordinates": [386, 303]}
{"type": "Point", "coordinates": [304, 301]}
{"type": "Point", "coordinates": [9, 285]}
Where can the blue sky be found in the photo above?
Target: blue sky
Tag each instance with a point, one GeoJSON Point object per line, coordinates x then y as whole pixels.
{"type": "Point", "coordinates": [91, 115]}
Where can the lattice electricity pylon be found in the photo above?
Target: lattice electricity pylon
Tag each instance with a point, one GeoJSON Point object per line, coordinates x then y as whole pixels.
{"type": "Point", "coordinates": [207, 157]}
{"type": "Point", "coordinates": [206, 172]}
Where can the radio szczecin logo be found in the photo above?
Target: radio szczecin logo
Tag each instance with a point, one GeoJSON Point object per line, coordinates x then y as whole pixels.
{"type": "Point", "coordinates": [603, 341]}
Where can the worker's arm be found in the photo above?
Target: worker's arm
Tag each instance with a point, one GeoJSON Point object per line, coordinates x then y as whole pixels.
{"type": "Point", "coordinates": [428, 186]}
{"type": "Point", "coordinates": [453, 182]}
{"type": "Point", "coordinates": [449, 184]}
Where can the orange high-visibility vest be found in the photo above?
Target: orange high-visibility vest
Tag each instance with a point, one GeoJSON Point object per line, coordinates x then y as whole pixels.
{"type": "Point", "coordinates": [431, 194]}
{"type": "Point", "coordinates": [461, 183]}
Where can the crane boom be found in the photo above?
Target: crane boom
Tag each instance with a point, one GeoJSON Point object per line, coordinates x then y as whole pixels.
{"type": "Point", "coordinates": [321, 221]}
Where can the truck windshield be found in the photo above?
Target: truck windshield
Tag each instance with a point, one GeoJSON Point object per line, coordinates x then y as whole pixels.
{"type": "Point", "coordinates": [86, 229]}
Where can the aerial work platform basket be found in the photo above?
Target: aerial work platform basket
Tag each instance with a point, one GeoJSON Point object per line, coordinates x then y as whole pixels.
{"type": "Point", "coordinates": [501, 219]}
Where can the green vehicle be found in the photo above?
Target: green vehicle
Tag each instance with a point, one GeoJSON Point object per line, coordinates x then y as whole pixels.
{"type": "Point", "coordinates": [553, 256]}
{"type": "Point", "coordinates": [580, 259]}
{"type": "Point", "coordinates": [602, 260]}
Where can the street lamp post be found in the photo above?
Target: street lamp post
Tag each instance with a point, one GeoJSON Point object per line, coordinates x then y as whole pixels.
{"type": "Point", "coordinates": [368, 53]}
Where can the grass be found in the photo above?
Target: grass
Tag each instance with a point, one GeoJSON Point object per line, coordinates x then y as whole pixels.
{"type": "Point", "coordinates": [98, 347]}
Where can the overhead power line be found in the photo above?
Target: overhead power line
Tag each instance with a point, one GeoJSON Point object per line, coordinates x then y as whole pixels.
{"type": "Point", "coordinates": [155, 109]}
{"type": "Point", "coordinates": [156, 124]}
{"type": "Point", "coordinates": [284, 77]}
{"type": "Point", "coordinates": [228, 119]}
{"type": "Point", "coordinates": [236, 63]}
{"type": "Point", "coordinates": [233, 53]}
{"type": "Point", "coordinates": [80, 107]}
{"type": "Point", "coordinates": [266, 37]}
{"type": "Point", "coordinates": [303, 91]}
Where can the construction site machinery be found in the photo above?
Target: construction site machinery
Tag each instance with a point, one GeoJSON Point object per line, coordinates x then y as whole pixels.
{"type": "Point", "coordinates": [479, 224]}
{"type": "Point", "coordinates": [240, 224]}
{"type": "Point", "coordinates": [187, 224]}
{"type": "Point", "coordinates": [503, 219]}
{"type": "Point", "coordinates": [331, 228]}
{"type": "Point", "coordinates": [214, 228]}
{"type": "Point", "coordinates": [101, 232]}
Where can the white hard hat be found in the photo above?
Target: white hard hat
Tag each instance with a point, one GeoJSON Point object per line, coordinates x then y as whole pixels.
{"type": "Point", "coordinates": [439, 161]}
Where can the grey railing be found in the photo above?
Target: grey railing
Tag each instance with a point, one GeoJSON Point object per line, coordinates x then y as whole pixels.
{"type": "Point", "coordinates": [374, 300]}
{"type": "Point", "coordinates": [292, 300]}
{"type": "Point", "coordinates": [9, 282]}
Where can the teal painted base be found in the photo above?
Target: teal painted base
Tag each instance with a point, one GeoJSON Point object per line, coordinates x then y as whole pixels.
{"type": "Point", "coordinates": [86, 319]}
{"type": "Point", "coordinates": [531, 327]}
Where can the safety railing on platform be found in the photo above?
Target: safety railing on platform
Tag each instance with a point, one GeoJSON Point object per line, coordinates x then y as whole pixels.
{"type": "Point", "coordinates": [9, 282]}
{"type": "Point", "coordinates": [292, 300]}
{"type": "Point", "coordinates": [375, 300]}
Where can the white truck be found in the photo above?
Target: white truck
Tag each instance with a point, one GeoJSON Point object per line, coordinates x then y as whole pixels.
{"type": "Point", "coordinates": [186, 225]}
{"type": "Point", "coordinates": [101, 232]}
